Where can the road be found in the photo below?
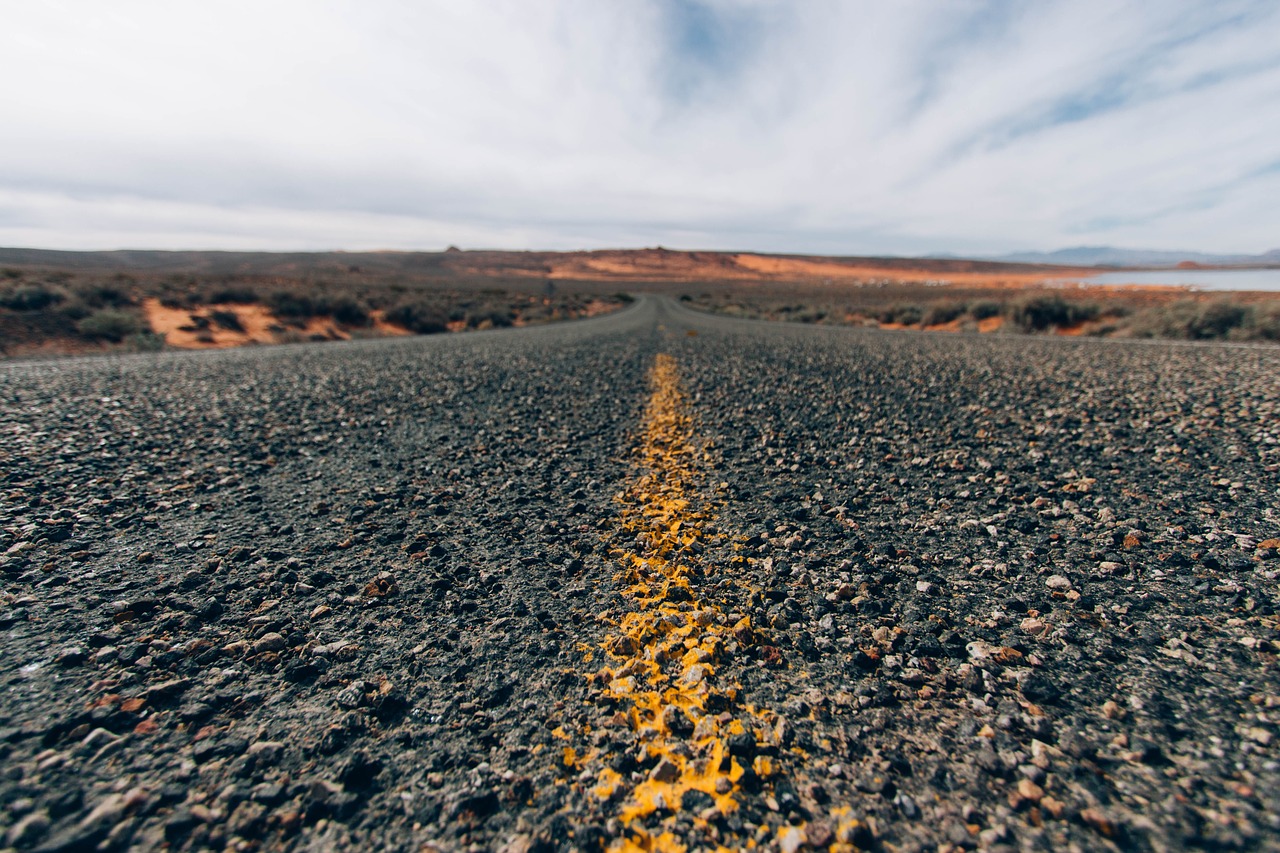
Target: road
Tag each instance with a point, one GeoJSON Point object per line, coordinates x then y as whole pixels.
{"type": "Point", "coordinates": [653, 581]}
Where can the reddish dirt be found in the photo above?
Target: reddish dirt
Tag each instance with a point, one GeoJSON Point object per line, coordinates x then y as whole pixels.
{"type": "Point", "coordinates": [655, 265]}
{"type": "Point", "coordinates": [183, 328]}
{"type": "Point", "coordinates": [990, 324]}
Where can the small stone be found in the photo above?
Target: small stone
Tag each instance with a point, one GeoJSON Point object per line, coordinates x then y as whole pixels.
{"type": "Point", "coordinates": [1035, 627]}
{"type": "Point", "coordinates": [321, 611]}
{"type": "Point", "coordinates": [521, 843]}
{"type": "Point", "coordinates": [353, 695]}
{"type": "Point", "coordinates": [675, 721]}
{"type": "Point", "coordinates": [693, 676]}
{"type": "Point", "coordinates": [1111, 710]}
{"type": "Point", "coordinates": [1260, 735]}
{"type": "Point", "coordinates": [791, 839]}
{"type": "Point", "coordinates": [1058, 582]}
{"type": "Point", "coordinates": [341, 649]}
{"type": "Point", "coordinates": [270, 642]}
{"type": "Point", "coordinates": [28, 830]}
{"type": "Point", "coordinates": [819, 835]}
{"type": "Point", "coordinates": [167, 689]}
{"type": "Point", "coordinates": [382, 586]}
{"type": "Point", "coordinates": [925, 587]}
{"type": "Point", "coordinates": [1007, 655]}
{"type": "Point", "coordinates": [1030, 790]}
{"type": "Point", "coordinates": [269, 793]}
{"type": "Point", "coordinates": [1032, 772]}
{"type": "Point", "coordinates": [1098, 821]}
{"type": "Point", "coordinates": [666, 771]}
{"type": "Point", "coordinates": [907, 805]}
{"type": "Point", "coordinates": [981, 650]}
{"type": "Point", "coordinates": [204, 814]}
{"type": "Point", "coordinates": [72, 656]}
{"type": "Point", "coordinates": [266, 750]}
{"type": "Point", "coordinates": [1053, 807]}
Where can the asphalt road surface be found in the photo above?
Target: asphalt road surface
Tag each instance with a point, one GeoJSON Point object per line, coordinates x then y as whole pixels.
{"type": "Point", "coordinates": [653, 581]}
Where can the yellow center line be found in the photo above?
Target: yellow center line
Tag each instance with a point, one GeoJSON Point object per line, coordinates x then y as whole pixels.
{"type": "Point", "coordinates": [667, 664]}
{"type": "Point", "coordinates": [665, 655]}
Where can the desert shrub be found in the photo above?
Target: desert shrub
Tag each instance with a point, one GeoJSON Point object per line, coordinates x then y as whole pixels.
{"type": "Point", "coordinates": [1195, 320]}
{"type": "Point", "coordinates": [1218, 319]}
{"type": "Point", "coordinates": [73, 309]}
{"type": "Point", "coordinates": [145, 342]}
{"type": "Point", "coordinates": [907, 315]}
{"type": "Point", "coordinates": [497, 318]}
{"type": "Point", "coordinates": [10, 272]}
{"type": "Point", "coordinates": [286, 304]}
{"type": "Point", "coordinates": [942, 312]}
{"type": "Point", "coordinates": [627, 298]}
{"type": "Point", "coordinates": [229, 320]}
{"type": "Point", "coordinates": [30, 297]}
{"type": "Point", "coordinates": [345, 310]}
{"type": "Point", "coordinates": [240, 294]}
{"type": "Point", "coordinates": [1037, 313]}
{"type": "Point", "coordinates": [985, 309]}
{"type": "Point", "coordinates": [419, 317]}
{"type": "Point", "coordinates": [108, 324]}
{"type": "Point", "coordinates": [104, 296]}
{"type": "Point", "coordinates": [1265, 324]}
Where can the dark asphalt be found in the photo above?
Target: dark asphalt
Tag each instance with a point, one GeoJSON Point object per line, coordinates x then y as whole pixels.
{"type": "Point", "coordinates": [1005, 592]}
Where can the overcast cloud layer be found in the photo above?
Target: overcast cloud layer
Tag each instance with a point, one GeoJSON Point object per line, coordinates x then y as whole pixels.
{"type": "Point", "coordinates": [842, 127]}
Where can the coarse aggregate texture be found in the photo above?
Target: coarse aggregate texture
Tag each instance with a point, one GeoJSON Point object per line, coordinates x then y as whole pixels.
{"type": "Point", "coordinates": [935, 592]}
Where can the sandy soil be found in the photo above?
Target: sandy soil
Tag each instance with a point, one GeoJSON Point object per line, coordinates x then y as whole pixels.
{"type": "Point", "coordinates": [656, 265]}
{"type": "Point", "coordinates": [798, 268]}
{"type": "Point", "coordinates": [663, 265]}
{"type": "Point", "coordinates": [181, 327]}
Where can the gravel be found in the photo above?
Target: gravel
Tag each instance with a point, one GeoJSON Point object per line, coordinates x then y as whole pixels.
{"type": "Point", "coordinates": [1003, 592]}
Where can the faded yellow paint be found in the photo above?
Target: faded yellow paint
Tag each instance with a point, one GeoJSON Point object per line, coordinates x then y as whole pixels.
{"type": "Point", "coordinates": [663, 659]}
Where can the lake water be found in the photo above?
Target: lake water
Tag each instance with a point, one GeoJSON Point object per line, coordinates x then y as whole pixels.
{"type": "Point", "coordinates": [1199, 279]}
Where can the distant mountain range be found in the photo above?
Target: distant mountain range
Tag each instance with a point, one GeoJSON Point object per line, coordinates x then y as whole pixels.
{"type": "Point", "coordinates": [1109, 256]}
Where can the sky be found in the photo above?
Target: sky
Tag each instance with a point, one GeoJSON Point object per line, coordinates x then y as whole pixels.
{"type": "Point", "coordinates": [822, 126]}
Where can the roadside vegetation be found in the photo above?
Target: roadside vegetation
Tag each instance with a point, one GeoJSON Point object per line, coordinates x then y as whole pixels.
{"type": "Point", "coordinates": [1150, 313]}
{"type": "Point", "coordinates": [65, 311]}
{"type": "Point", "coordinates": [55, 311]}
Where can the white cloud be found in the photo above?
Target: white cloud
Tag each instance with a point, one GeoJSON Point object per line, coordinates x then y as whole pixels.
{"type": "Point", "coordinates": [824, 126]}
